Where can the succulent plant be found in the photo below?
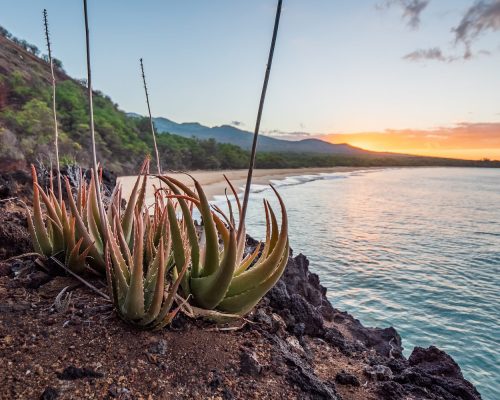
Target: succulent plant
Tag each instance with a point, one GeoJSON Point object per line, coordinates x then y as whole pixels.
{"type": "Point", "coordinates": [75, 233]}
{"type": "Point", "coordinates": [54, 233]}
{"type": "Point", "coordinates": [224, 279]}
{"type": "Point", "coordinates": [144, 274]}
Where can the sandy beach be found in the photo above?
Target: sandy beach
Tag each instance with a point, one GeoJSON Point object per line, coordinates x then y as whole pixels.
{"type": "Point", "coordinates": [214, 184]}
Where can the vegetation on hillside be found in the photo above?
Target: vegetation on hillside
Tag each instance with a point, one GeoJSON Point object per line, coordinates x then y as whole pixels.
{"type": "Point", "coordinates": [28, 128]}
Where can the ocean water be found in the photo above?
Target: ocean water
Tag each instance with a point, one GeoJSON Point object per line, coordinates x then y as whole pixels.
{"type": "Point", "coordinates": [413, 248]}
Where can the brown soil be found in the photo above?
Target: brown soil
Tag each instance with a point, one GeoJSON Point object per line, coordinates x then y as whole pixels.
{"type": "Point", "coordinates": [14, 237]}
{"type": "Point", "coordinates": [38, 344]}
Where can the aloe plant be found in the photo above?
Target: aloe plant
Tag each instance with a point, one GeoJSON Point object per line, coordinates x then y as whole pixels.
{"type": "Point", "coordinates": [76, 233]}
{"type": "Point", "coordinates": [225, 279]}
{"type": "Point", "coordinates": [55, 232]}
{"type": "Point", "coordinates": [141, 274]}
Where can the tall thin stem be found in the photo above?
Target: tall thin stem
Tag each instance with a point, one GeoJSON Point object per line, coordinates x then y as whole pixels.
{"type": "Point", "coordinates": [257, 124]}
{"type": "Point", "coordinates": [158, 166]}
{"type": "Point", "coordinates": [54, 112]}
{"type": "Point", "coordinates": [102, 214]}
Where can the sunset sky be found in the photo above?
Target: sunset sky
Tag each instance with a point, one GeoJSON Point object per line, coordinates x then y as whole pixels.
{"type": "Point", "coordinates": [413, 76]}
{"type": "Point", "coordinates": [468, 141]}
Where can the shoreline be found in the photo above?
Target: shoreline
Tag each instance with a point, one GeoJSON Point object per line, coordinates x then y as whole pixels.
{"type": "Point", "coordinates": [214, 184]}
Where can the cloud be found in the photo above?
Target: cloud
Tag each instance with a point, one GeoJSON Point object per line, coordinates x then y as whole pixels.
{"type": "Point", "coordinates": [287, 135]}
{"type": "Point", "coordinates": [434, 53]}
{"type": "Point", "coordinates": [482, 16]}
{"type": "Point", "coordinates": [411, 9]}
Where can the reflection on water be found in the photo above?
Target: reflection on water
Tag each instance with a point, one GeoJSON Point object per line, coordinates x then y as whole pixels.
{"type": "Point", "coordinates": [415, 248]}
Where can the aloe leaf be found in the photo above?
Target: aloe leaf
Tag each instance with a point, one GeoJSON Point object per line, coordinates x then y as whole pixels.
{"type": "Point", "coordinates": [111, 277]}
{"type": "Point", "coordinates": [214, 315]}
{"type": "Point", "coordinates": [265, 250]}
{"type": "Point", "coordinates": [209, 290]}
{"type": "Point", "coordinates": [93, 229]}
{"type": "Point", "coordinates": [154, 305]}
{"type": "Point", "coordinates": [114, 196]}
{"type": "Point", "coordinates": [191, 230]}
{"type": "Point", "coordinates": [80, 195]}
{"type": "Point", "coordinates": [260, 272]}
{"type": "Point", "coordinates": [31, 229]}
{"type": "Point", "coordinates": [211, 262]}
{"type": "Point", "coordinates": [248, 260]}
{"type": "Point", "coordinates": [120, 269]}
{"type": "Point", "coordinates": [177, 245]}
{"type": "Point", "coordinates": [94, 222]}
{"type": "Point", "coordinates": [38, 224]}
{"type": "Point", "coordinates": [56, 235]}
{"type": "Point", "coordinates": [69, 237]}
{"type": "Point", "coordinates": [149, 251]}
{"type": "Point", "coordinates": [152, 272]}
{"type": "Point", "coordinates": [142, 192]}
{"type": "Point", "coordinates": [125, 250]}
{"type": "Point", "coordinates": [274, 229]}
{"type": "Point", "coordinates": [81, 230]}
{"type": "Point", "coordinates": [241, 234]}
{"type": "Point", "coordinates": [75, 261]}
{"type": "Point", "coordinates": [161, 226]}
{"type": "Point", "coordinates": [57, 207]}
{"type": "Point", "coordinates": [133, 306]}
{"type": "Point", "coordinates": [128, 216]}
{"type": "Point", "coordinates": [235, 194]}
{"type": "Point", "coordinates": [242, 303]}
{"type": "Point", "coordinates": [164, 317]}
{"type": "Point", "coordinates": [179, 184]}
{"type": "Point", "coordinates": [176, 235]}
{"type": "Point", "coordinates": [48, 203]}
{"type": "Point", "coordinates": [221, 229]}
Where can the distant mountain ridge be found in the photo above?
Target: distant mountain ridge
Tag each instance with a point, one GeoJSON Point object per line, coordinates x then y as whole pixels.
{"type": "Point", "coordinates": [243, 139]}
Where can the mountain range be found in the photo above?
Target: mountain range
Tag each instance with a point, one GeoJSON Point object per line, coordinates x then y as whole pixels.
{"type": "Point", "coordinates": [232, 135]}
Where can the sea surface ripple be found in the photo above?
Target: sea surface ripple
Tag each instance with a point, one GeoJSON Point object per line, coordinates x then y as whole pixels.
{"type": "Point", "coordinates": [413, 248]}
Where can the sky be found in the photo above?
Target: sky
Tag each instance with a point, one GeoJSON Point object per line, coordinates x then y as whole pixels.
{"type": "Point", "coordinates": [419, 76]}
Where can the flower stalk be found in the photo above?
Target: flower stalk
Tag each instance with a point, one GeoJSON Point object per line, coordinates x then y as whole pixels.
{"type": "Point", "coordinates": [259, 116]}
{"type": "Point", "coordinates": [102, 214]}
{"type": "Point", "coordinates": [158, 164]}
{"type": "Point", "coordinates": [54, 111]}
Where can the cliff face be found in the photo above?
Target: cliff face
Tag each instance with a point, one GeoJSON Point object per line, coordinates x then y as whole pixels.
{"type": "Point", "coordinates": [428, 373]}
{"type": "Point", "coordinates": [294, 345]}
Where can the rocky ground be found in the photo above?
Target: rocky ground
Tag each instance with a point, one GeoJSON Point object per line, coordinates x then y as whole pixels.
{"type": "Point", "coordinates": [295, 345]}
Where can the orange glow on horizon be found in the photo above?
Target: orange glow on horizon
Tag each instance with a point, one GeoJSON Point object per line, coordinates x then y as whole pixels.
{"type": "Point", "coordinates": [465, 141]}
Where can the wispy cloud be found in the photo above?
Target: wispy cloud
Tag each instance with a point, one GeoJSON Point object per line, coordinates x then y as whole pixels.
{"type": "Point", "coordinates": [287, 135]}
{"type": "Point", "coordinates": [482, 16]}
{"type": "Point", "coordinates": [411, 10]}
{"type": "Point", "coordinates": [434, 53]}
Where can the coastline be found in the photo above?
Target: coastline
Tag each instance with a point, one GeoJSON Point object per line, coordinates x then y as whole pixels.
{"type": "Point", "coordinates": [214, 184]}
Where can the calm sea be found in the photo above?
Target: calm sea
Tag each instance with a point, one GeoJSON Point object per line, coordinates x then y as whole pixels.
{"type": "Point", "coordinates": [413, 248]}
